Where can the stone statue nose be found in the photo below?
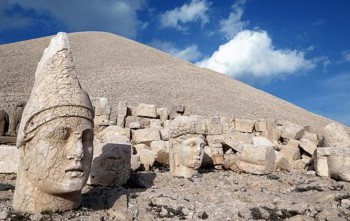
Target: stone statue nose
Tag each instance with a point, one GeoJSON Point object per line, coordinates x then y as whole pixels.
{"type": "Point", "coordinates": [76, 150]}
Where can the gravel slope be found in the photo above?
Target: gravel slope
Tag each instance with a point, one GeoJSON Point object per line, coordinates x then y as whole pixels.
{"type": "Point", "coordinates": [120, 69]}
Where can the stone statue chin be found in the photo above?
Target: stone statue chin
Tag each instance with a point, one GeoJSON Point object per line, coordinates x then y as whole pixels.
{"type": "Point", "coordinates": [55, 137]}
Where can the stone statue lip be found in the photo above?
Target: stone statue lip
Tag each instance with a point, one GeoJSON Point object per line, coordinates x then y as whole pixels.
{"type": "Point", "coordinates": [75, 170]}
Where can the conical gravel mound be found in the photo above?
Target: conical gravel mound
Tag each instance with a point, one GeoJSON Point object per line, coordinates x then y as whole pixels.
{"type": "Point", "coordinates": [111, 66]}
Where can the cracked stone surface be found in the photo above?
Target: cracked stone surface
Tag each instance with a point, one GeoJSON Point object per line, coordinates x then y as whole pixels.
{"type": "Point", "coordinates": [55, 137]}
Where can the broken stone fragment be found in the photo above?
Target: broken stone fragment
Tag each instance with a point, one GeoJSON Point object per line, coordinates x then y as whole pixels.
{"type": "Point", "coordinates": [335, 135]}
{"type": "Point", "coordinates": [146, 110]}
{"type": "Point", "coordinates": [147, 158]}
{"type": "Point", "coordinates": [310, 136]}
{"type": "Point", "coordinates": [121, 120]}
{"type": "Point", "coordinates": [333, 162]}
{"type": "Point", "coordinates": [161, 148]}
{"type": "Point", "coordinates": [236, 139]}
{"type": "Point", "coordinates": [260, 125]}
{"type": "Point", "coordinates": [214, 126]}
{"type": "Point", "coordinates": [292, 131]}
{"type": "Point", "coordinates": [163, 114]}
{"type": "Point", "coordinates": [290, 152]}
{"type": "Point", "coordinates": [102, 109]}
{"type": "Point", "coordinates": [135, 162]}
{"type": "Point", "coordinates": [4, 122]}
{"type": "Point", "coordinates": [227, 123]}
{"type": "Point", "coordinates": [138, 147]}
{"type": "Point", "coordinates": [145, 135]}
{"type": "Point", "coordinates": [114, 134]}
{"type": "Point", "coordinates": [122, 108]}
{"type": "Point", "coordinates": [244, 125]}
{"type": "Point", "coordinates": [256, 160]}
{"type": "Point", "coordinates": [308, 146]}
{"type": "Point", "coordinates": [282, 163]}
{"type": "Point", "coordinates": [262, 141]}
{"type": "Point", "coordinates": [110, 164]}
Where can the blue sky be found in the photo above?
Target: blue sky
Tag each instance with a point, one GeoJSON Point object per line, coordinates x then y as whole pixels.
{"type": "Point", "coordinates": [298, 50]}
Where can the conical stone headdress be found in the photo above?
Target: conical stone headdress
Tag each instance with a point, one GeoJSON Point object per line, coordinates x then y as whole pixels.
{"type": "Point", "coordinates": [56, 92]}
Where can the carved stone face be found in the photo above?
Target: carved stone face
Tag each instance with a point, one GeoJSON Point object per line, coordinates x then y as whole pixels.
{"type": "Point", "coordinates": [58, 157]}
{"type": "Point", "coordinates": [191, 152]}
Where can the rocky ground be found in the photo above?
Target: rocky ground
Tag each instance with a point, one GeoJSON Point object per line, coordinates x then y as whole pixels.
{"type": "Point", "coordinates": [212, 195]}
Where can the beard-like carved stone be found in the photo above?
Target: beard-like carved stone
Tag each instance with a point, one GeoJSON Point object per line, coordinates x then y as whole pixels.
{"type": "Point", "coordinates": [55, 137]}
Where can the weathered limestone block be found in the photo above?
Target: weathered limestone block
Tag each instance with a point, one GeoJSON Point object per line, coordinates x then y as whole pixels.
{"type": "Point", "coordinates": [9, 159]}
{"type": "Point", "coordinates": [260, 125]}
{"type": "Point", "coordinates": [121, 120]}
{"type": "Point", "coordinates": [15, 119]}
{"type": "Point", "coordinates": [282, 163]}
{"type": "Point", "coordinates": [163, 114]}
{"type": "Point", "coordinates": [273, 135]}
{"type": "Point", "coordinates": [145, 135]}
{"type": "Point", "coordinates": [335, 135]}
{"type": "Point", "coordinates": [131, 121]}
{"type": "Point", "coordinates": [146, 110]}
{"type": "Point", "coordinates": [161, 148]}
{"type": "Point", "coordinates": [177, 110]}
{"type": "Point", "coordinates": [294, 143]}
{"type": "Point", "coordinates": [292, 153]}
{"type": "Point", "coordinates": [111, 164]}
{"type": "Point", "coordinates": [139, 147]}
{"type": "Point", "coordinates": [165, 134]}
{"type": "Point", "coordinates": [215, 152]}
{"type": "Point", "coordinates": [308, 146]}
{"type": "Point", "coordinates": [186, 146]}
{"type": "Point", "coordinates": [134, 125]}
{"type": "Point", "coordinates": [333, 162]}
{"type": "Point", "coordinates": [236, 139]}
{"type": "Point", "coordinates": [122, 108]}
{"type": "Point", "coordinates": [102, 110]}
{"type": "Point", "coordinates": [135, 162]}
{"type": "Point", "coordinates": [227, 123]}
{"type": "Point", "coordinates": [155, 123]}
{"type": "Point", "coordinates": [55, 137]}
{"type": "Point", "coordinates": [114, 134]}
{"type": "Point", "coordinates": [310, 136]}
{"type": "Point", "coordinates": [147, 158]}
{"type": "Point", "coordinates": [4, 122]}
{"type": "Point", "coordinates": [214, 126]}
{"type": "Point", "coordinates": [292, 131]}
{"type": "Point", "coordinates": [244, 125]}
{"type": "Point", "coordinates": [262, 141]}
{"type": "Point", "coordinates": [256, 160]}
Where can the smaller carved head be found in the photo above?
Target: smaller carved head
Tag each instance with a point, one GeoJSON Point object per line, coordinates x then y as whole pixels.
{"type": "Point", "coordinates": [191, 152]}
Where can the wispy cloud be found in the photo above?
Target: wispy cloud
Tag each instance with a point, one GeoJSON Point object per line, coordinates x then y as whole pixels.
{"type": "Point", "coordinates": [252, 53]}
{"type": "Point", "coordinates": [233, 24]}
{"type": "Point", "coordinates": [346, 55]}
{"type": "Point", "coordinates": [196, 10]}
{"type": "Point", "coordinates": [189, 53]}
{"type": "Point", "coordinates": [117, 16]}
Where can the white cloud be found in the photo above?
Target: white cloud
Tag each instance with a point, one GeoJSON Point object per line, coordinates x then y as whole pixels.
{"type": "Point", "coordinates": [251, 53]}
{"type": "Point", "coordinates": [118, 16]}
{"type": "Point", "coordinates": [233, 24]}
{"type": "Point", "coordinates": [190, 53]}
{"type": "Point", "coordinates": [346, 55]}
{"type": "Point", "coordinates": [196, 10]}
